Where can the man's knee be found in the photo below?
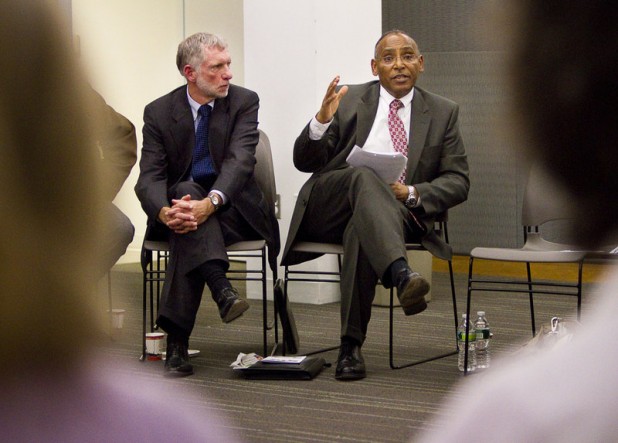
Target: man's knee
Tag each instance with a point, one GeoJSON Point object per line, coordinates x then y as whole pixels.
{"type": "Point", "coordinates": [188, 187]}
{"type": "Point", "coordinates": [119, 234]}
{"type": "Point", "coordinates": [126, 231]}
{"type": "Point", "coordinates": [364, 178]}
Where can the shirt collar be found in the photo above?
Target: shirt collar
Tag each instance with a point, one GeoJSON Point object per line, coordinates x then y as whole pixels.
{"type": "Point", "coordinates": [195, 106]}
{"type": "Point", "coordinates": [388, 98]}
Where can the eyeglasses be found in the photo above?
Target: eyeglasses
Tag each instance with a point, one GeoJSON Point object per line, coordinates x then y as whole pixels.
{"type": "Point", "coordinates": [405, 58]}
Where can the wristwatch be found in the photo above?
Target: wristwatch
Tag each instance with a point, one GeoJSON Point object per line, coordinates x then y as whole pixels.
{"type": "Point", "coordinates": [216, 200]}
{"type": "Point", "coordinates": [412, 198]}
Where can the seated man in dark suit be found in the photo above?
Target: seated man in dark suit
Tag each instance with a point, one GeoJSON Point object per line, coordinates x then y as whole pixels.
{"type": "Point", "coordinates": [197, 184]}
{"type": "Point", "coordinates": [117, 146]}
{"type": "Point", "coordinates": [371, 218]}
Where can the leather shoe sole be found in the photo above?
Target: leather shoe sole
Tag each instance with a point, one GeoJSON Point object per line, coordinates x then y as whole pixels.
{"type": "Point", "coordinates": [236, 310]}
{"type": "Point", "coordinates": [347, 375]}
{"type": "Point", "coordinates": [412, 297]}
{"type": "Point", "coordinates": [350, 364]}
{"type": "Point", "coordinates": [177, 365]}
{"type": "Point", "coordinates": [180, 371]}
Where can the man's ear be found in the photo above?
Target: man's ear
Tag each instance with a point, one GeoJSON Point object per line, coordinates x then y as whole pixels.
{"type": "Point", "coordinates": [374, 67]}
{"type": "Point", "coordinates": [189, 73]}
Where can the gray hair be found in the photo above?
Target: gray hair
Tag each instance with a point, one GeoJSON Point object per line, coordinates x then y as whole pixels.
{"type": "Point", "coordinates": [191, 50]}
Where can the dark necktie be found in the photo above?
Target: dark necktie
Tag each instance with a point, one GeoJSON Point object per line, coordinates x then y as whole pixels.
{"type": "Point", "coordinates": [202, 162]}
{"type": "Point", "coordinates": [398, 132]}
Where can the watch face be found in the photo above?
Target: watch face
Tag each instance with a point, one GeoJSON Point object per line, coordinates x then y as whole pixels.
{"type": "Point", "coordinates": [214, 198]}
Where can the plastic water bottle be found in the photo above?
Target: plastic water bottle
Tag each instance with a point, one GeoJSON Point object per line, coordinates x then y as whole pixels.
{"type": "Point", "coordinates": [483, 334]}
{"type": "Point", "coordinates": [461, 344]}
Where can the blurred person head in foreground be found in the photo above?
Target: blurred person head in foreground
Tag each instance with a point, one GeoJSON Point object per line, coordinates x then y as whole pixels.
{"type": "Point", "coordinates": [54, 386]}
{"type": "Point", "coordinates": [49, 193]}
{"type": "Point", "coordinates": [564, 72]}
{"type": "Point", "coordinates": [563, 65]}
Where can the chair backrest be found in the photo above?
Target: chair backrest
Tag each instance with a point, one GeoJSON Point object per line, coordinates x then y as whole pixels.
{"type": "Point", "coordinates": [264, 170]}
{"type": "Point", "coordinates": [544, 199]}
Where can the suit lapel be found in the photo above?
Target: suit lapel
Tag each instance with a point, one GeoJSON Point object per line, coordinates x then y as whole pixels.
{"type": "Point", "coordinates": [366, 113]}
{"type": "Point", "coordinates": [182, 129]}
{"type": "Point", "coordinates": [419, 127]}
{"type": "Point", "coordinates": [217, 130]}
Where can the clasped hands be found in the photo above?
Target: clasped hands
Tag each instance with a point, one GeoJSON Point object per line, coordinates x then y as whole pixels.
{"type": "Point", "coordinates": [185, 214]}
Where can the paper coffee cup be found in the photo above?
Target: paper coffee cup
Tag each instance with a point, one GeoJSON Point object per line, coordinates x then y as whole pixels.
{"type": "Point", "coordinates": [117, 318]}
{"type": "Point", "coordinates": [153, 345]}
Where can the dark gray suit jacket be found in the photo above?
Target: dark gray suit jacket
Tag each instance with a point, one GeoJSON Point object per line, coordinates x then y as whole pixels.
{"type": "Point", "coordinates": [437, 163]}
{"type": "Point", "coordinates": [169, 139]}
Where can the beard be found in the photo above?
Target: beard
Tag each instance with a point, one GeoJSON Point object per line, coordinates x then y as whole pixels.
{"type": "Point", "coordinates": [208, 90]}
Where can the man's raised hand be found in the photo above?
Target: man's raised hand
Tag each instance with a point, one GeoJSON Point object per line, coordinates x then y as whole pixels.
{"type": "Point", "coordinates": [331, 100]}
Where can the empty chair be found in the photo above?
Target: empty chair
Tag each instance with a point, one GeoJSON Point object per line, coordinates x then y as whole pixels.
{"type": "Point", "coordinates": [543, 202]}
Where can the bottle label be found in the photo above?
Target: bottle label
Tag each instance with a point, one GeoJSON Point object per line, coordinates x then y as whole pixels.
{"type": "Point", "coordinates": [462, 336]}
{"type": "Point", "coordinates": [483, 334]}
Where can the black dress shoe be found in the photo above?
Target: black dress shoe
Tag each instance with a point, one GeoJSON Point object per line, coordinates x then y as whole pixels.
{"type": "Point", "coordinates": [350, 363]}
{"type": "Point", "coordinates": [231, 306]}
{"type": "Point", "coordinates": [411, 291]}
{"type": "Point", "coordinates": [177, 357]}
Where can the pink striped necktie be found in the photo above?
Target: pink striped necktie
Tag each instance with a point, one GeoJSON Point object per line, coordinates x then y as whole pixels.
{"type": "Point", "coordinates": [398, 132]}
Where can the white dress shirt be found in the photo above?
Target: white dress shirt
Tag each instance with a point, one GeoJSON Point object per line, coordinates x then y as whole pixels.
{"type": "Point", "coordinates": [379, 139]}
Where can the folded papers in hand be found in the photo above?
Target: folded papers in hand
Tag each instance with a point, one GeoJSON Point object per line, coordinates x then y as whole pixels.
{"type": "Point", "coordinates": [387, 166]}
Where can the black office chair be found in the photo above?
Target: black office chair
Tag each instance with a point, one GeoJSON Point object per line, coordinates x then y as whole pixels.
{"type": "Point", "coordinates": [155, 253]}
{"type": "Point", "coordinates": [292, 275]}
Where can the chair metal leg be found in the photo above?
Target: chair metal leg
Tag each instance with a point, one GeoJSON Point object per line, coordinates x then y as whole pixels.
{"type": "Point", "coordinates": [264, 306]}
{"type": "Point", "coordinates": [579, 289]}
{"type": "Point", "coordinates": [151, 283]}
{"type": "Point", "coordinates": [143, 356]}
{"type": "Point", "coordinates": [531, 295]}
{"type": "Point", "coordinates": [286, 278]}
{"type": "Point", "coordinates": [468, 298]}
{"type": "Point", "coordinates": [454, 296]}
{"type": "Point", "coordinates": [453, 292]}
{"type": "Point", "coordinates": [391, 328]}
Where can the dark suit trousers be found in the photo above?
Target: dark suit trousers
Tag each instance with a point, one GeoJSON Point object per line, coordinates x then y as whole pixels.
{"type": "Point", "coordinates": [116, 235]}
{"type": "Point", "coordinates": [354, 207]}
{"type": "Point", "coordinates": [184, 284]}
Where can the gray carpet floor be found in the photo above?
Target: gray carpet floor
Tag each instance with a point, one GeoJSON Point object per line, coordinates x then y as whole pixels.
{"type": "Point", "coordinates": [388, 406]}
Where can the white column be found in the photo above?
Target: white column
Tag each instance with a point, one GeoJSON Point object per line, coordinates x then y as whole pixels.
{"type": "Point", "coordinates": [292, 51]}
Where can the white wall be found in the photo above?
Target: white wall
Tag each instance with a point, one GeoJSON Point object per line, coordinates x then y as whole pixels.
{"type": "Point", "coordinates": [287, 51]}
{"type": "Point", "coordinates": [224, 18]}
{"type": "Point", "coordinates": [292, 51]}
{"type": "Point", "coordinates": [129, 49]}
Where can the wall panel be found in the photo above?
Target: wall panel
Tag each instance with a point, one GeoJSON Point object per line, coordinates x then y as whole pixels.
{"type": "Point", "coordinates": [463, 62]}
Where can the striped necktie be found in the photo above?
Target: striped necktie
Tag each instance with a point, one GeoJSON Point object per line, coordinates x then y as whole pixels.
{"type": "Point", "coordinates": [202, 162]}
{"type": "Point", "coordinates": [398, 132]}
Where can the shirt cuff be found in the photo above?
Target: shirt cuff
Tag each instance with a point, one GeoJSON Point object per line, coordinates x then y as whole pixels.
{"type": "Point", "coordinates": [317, 129]}
{"type": "Point", "coordinates": [220, 194]}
